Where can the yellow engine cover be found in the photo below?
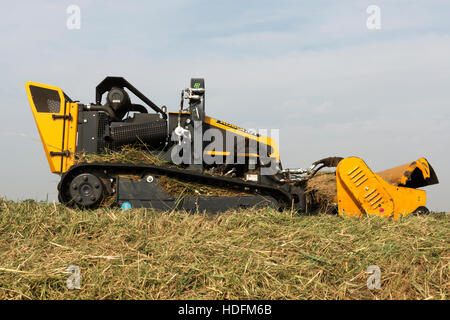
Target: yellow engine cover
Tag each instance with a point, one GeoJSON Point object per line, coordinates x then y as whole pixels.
{"type": "Point", "coordinates": [361, 191]}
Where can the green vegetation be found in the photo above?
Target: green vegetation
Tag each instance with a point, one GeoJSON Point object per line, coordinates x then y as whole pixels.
{"type": "Point", "coordinates": [259, 254]}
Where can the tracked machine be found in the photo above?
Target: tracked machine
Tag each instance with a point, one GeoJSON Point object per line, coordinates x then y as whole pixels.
{"type": "Point", "coordinates": [197, 149]}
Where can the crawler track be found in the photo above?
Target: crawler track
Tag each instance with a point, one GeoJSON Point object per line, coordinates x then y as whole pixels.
{"type": "Point", "coordinates": [285, 194]}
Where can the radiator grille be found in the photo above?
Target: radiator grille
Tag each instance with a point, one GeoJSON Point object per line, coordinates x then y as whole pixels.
{"type": "Point", "coordinates": [45, 100]}
{"type": "Point", "coordinates": [153, 133]}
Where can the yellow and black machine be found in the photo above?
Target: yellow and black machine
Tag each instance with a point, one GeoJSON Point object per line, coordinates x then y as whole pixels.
{"type": "Point", "coordinates": [197, 149]}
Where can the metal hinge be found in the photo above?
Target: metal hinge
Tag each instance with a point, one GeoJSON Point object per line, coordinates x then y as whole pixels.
{"type": "Point", "coordinates": [65, 117]}
{"type": "Point", "coordinates": [65, 153]}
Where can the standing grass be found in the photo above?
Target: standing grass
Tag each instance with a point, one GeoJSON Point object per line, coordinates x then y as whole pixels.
{"type": "Point", "coordinates": [248, 254]}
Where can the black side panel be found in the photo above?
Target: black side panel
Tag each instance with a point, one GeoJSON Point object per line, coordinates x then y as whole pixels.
{"type": "Point", "coordinates": [144, 194]}
{"type": "Point", "coordinates": [92, 129]}
{"type": "Point", "coordinates": [208, 204]}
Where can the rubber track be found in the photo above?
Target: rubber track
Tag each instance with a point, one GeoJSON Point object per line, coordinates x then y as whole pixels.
{"type": "Point", "coordinates": [281, 193]}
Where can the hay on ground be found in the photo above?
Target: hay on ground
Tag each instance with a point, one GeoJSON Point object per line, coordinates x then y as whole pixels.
{"type": "Point", "coordinates": [258, 254]}
{"type": "Point", "coordinates": [321, 189]}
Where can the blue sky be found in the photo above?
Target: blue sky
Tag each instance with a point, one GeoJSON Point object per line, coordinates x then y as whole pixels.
{"type": "Point", "coordinates": [311, 69]}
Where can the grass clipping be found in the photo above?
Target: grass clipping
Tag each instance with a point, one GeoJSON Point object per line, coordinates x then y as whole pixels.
{"type": "Point", "coordinates": [174, 187]}
{"type": "Point", "coordinates": [246, 254]}
{"type": "Point", "coordinates": [127, 154]}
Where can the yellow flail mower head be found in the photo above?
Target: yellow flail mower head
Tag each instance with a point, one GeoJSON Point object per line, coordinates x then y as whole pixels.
{"type": "Point", "coordinates": [389, 193]}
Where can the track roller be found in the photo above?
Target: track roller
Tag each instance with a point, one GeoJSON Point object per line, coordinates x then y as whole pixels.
{"type": "Point", "coordinates": [86, 190]}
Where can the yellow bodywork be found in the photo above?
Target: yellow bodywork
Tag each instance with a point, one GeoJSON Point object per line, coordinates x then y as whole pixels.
{"type": "Point", "coordinates": [56, 120]}
{"type": "Point", "coordinates": [242, 132]}
{"type": "Point", "coordinates": [361, 191]}
{"type": "Point", "coordinates": [416, 174]}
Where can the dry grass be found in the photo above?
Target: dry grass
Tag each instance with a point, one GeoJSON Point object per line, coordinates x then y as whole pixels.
{"type": "Point", "coordinates": [126, 154]}
{"type": "Point", "coordinates": [264, 254]}
{"type": "Point", "coordinates": [322, 190]}
{"type": "Point", "coordinates": [180, 189]}
{"type": "Point", "coordinates": [136, 155]}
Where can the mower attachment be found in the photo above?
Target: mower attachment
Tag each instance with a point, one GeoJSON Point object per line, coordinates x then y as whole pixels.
{"type": "Point", "coordinates": [360, 190]}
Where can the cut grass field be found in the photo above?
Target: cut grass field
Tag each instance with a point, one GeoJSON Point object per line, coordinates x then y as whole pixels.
{"type": "Point", "coordinates": [258, 254]}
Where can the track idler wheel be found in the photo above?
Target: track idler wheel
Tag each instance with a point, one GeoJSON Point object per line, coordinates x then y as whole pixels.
{"type": "Point", "coordinates": [86, 190]}
{"type": "Point", "coordinates": [421, 210]}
